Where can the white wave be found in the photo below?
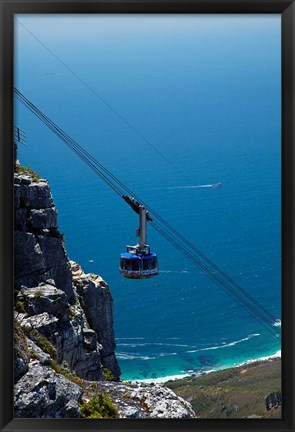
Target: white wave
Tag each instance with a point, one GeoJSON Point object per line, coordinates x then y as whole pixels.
{"type": "Point", "coordinates": [277, 354]}
{"type": "Point", "coordinates": [278, 323]}
{"type": "Point", "coordinates": [226, 345]}
{"type": "Point", "coordinates": [135, 356]}
{"type": "Point", "coordinates": [167, 354]}
{"type": "Point", "coordinates": [161, 379]}
{"type": "Point", "coordinates": [134, 345]}
{"type": "Point", "coordinates": [174, 345]}
{"type": "Point", "coordinates": [141, 338]}
{"type": "Point", "coordinates": [126, 356]}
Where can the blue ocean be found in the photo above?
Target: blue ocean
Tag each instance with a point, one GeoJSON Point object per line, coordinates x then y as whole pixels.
{"type": "Point", "coordinates": [204, 92]}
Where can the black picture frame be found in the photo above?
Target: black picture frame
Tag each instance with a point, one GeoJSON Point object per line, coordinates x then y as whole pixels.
{"type": "Point", "coordinates": [287, 10]}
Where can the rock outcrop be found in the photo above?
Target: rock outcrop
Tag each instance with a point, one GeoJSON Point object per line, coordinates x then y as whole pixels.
{"type": "Point", "coordinates": [44, 394]}
{"type": "Point", "coordinates": [141, 400]}
{"type": "Point", "coordinates": [273, 400]}
{"type": "Point", "coordinates": [44, 297]}
{"type": "Point", "coordinates": [98, 307]}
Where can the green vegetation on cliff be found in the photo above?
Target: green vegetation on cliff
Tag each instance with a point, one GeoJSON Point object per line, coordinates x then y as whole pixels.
{"type": "Point", "coordinates": [42, 342]}
{"type": "Point", "coordinates": [28, 171]}
{"type": "Point", "coordinates": [100, 406]}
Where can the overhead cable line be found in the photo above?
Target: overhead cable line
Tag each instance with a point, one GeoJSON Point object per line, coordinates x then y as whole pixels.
{"type": "Point", "coordinates": [166, 230]}
{"type": "Point", "coordinates": [131, 127]}
{"type": "Point", "coordinates": [265, 321]}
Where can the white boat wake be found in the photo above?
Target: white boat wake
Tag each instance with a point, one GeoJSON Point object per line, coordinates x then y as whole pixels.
{"type": "Point", "coordinates": [212, 185]}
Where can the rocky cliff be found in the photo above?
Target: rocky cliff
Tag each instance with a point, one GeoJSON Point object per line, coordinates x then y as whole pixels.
{"type": "Point", "coordinates": [65, 363]}
{"type": "Point", "coordinates": [46, 292]}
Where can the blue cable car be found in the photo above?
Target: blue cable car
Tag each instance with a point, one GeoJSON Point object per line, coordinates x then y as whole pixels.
{"type": "Point", "coordinates": [138, 262]}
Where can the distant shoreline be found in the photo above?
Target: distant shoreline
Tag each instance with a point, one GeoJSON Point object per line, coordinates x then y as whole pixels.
{"type": "Point", "coordinates": [163, 380]}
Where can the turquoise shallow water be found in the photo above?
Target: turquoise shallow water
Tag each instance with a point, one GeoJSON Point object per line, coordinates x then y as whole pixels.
{"type": "Point", "coordinates": [205, 92]}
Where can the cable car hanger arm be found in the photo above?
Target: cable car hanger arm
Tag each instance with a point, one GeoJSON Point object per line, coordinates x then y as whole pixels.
{"type": "Point", "coordinates": [135, 205]}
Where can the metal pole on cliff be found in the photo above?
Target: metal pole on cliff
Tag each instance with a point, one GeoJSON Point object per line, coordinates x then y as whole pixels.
{"type": "Point", "coordinates": [19, 137]}
{"type": "Point", "coordinates": [14, 155]}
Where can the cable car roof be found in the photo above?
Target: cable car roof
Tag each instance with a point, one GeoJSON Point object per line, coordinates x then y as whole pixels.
{"type": "Point", "coordinates": [135, 256]}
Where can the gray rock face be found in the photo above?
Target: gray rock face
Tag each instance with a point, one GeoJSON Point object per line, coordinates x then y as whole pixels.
{"type": "Point", "coordinates": [70, 343]}
{"type": "Point", "coordinates": [20, 367]}
{"type": "Point", "coordinates": [98, 307]}
{"type": "Point", "coordinates": [28, 256]}
{"type": "Point", "coordinates": [44, 218]}
{"type": "Point", "coordinates": [16, 196]}
{"type": "Point", "coordinates": [61, 274]}
{"type": "Point", "coordinates": [90, 339]}
{"type": "Point", "coordinates": [44, 394]}
{"type": "Point", "coordinates": [21, 353]}
{"type": "Point", "coordinates": [141, 400]}
{"type": "Point", "coordinates": [52, 250]}
{"type": "Point", "coordinates": [41, 356]}
{"type": "Point", "coordinates": [20, 216]}
{"type": "Point", "coordinates": [35, 195]}
{"type": "Point", "coordinates": [38, 246]}
{"type": "Point", "coordinates": [41, 257]}
{"type": "Point", "coordinates": [45, 297]}
{"type": "Point", "coordinates": [162, 402]}
{"type": "Point", "coordinates": [67, 335]}
{"type": "Point", "coordinates": [44, 323]}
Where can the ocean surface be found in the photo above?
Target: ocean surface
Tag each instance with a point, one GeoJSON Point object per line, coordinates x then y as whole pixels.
{"type": "Point", "coordinates": [204, 92]}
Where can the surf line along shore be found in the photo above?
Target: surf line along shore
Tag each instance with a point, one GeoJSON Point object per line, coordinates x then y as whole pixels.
{"type": "Point", "coordinates": [250, 363]}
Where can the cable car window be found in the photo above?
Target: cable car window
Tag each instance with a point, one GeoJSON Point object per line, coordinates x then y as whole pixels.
{"type": "Point", "coordinates": [135, 264]}
{"type": "Point", "coordinates": [145, 264]}
{"type": "Point", "coordinates": [154, 263]}
{"type": "Point", "coordinates": [127, 264]}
